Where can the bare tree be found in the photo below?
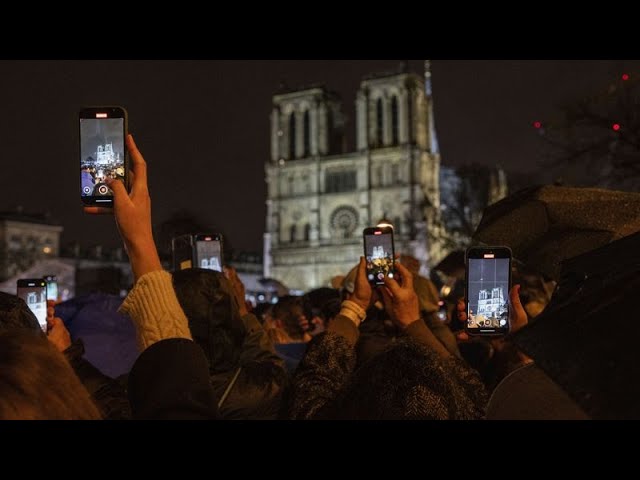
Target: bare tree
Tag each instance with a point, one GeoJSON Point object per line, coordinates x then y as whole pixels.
{"type": "Point", "coordinates": [596, 140]}
{"type": "Point", "coordinates": [464, 198]}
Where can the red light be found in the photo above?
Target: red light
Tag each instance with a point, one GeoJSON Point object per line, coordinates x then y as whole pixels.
{"type": "Point", "coordinates": [377, 233]}
{"type": "Point", "coordinates": [537, 124]}
{"type": "Point", "coordinates": [101, 115]}
{"type": "Point", "coordinates": [625, 76]}
{"type": "Point", "coordinates": [208, 239]}
{"type": "Point", "coordinates": [616, 127]}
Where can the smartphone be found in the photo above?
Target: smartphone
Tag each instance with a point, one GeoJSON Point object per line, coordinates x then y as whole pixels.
{"type": "Point", "coordinates": [379, 253]}
{"type": "Point", "coordinates": [488, 274]}
{"type": "Point", "coordinates": [197, 251]}
{"type": "Point", "coordinates": [52, 287]}
{"type": "Point", "coordinates": [182, 252]}
{"type": "Point", "coordinates": [34, 292]}
{"type": "Point", "coordinates": [102, 153]}
{"type": "Point", "coordinates": [208, 250]}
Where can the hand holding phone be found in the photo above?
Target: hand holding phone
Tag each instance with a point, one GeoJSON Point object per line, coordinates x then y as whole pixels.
{"type": "Point", "coordinates": [379, 254]}
{"type": "Point", "coordinates": [400, 298]}
{"type": "Point", "coordinates": [133, 216]}
{"type": "Point", "coordinates": [488, 281]}
{"type": "Point", "coordinates": [102, 153]}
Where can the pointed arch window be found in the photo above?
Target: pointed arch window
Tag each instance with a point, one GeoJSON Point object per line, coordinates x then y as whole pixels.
{"type": "Point", "coordinates": [292, 135]}
{"type": "Point", "coordinates": [394, 121]}
{"type": "Point", "coordinates": [379, 123]}
{"type": "Point", "coordinates": [307, 134]}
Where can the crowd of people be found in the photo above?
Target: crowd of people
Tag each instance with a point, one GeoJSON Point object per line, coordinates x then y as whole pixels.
{"type": "Point", "coordinates": [354, 352]}
{"type": "Point", "coordinates": [92, 177]}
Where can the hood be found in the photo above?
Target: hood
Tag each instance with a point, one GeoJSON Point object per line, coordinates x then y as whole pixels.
{"type": "Point", "coordinates": [14, 313]}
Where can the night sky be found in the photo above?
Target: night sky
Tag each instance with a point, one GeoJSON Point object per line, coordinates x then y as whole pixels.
{"type": "Point", "coordinates": [203, 126]}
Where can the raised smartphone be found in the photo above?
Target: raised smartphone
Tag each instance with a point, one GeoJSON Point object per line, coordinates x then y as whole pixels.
{"type": "Point", "coordinates": [102, 153]}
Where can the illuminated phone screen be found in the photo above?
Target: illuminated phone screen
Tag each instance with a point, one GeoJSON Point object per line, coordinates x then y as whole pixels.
{"type": "Point", "coordinates": [488, 295]}
{"type": "Point", "coordinates": [209, 254]}
{"type": "Point", "coordinates": [52, 290]}
{"type": "Point", "coordinates": [379, 254]}
{"type": "Point", "coordinates": [102, 153]}
{"type": "Point", "coordinates": [34, 293]}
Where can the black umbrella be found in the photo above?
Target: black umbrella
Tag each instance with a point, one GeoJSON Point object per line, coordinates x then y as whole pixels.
{"type": "Point", "coordinates": [453, 264]}
{"type": "Point", "coordinates": [587, 338]}
{"type": "Point", "coordinates": [546, 225]}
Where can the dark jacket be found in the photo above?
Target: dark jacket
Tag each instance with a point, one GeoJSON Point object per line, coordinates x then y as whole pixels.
{"type": "Point", "coordinates": [247, 376]}
{"type": "Point", "coordinates": [107, 393]}
{"type": "Point", "coordinates": [408, 380]}
{"type": "Point", "coordinates": [170, 381]}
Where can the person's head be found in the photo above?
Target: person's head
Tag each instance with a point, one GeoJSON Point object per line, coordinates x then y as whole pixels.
{"type": "Point", "coordinates": [330, 310]}
{"type": "Point", "coordinates": [289, 314]}
{"type": "Point", "coordinates": [408, 381]}
{"type": "Point", "coordinates": [14, 313]}
{"type": "Point", "coordinates": [214, 319]}
{"type": "Point", "coordinates": [37, 382]}
{"type": "Point", "coordinates": [262, 311]}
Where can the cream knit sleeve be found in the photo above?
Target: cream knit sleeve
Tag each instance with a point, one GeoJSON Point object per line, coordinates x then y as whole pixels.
{"type": "Point", "coordinates": [153, 306]}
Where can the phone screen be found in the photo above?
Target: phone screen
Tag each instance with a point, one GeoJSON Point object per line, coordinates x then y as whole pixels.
{"type": "Point", "coordinates": [379, 254]}
{"type": "Point", "coordinates": [52, 288]}
{"type": "Point", "coordinates": [208, 252]}
{"type": "Point", "coordinates": [102, 153]}
{"type": "Point", "coordinates": [488, 280]}
{"type": "Point", "coordinates": [34, 293]}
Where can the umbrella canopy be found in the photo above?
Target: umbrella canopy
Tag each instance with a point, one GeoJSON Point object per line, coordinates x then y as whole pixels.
{"type": "Point", "coordinates": [109, 336]}
{"type": "Point", "coordinates": [586, 340]}
{"type": "Point", "coordinates": [546, 225]}
{"type": "Point", "coordinates": [453, 264]}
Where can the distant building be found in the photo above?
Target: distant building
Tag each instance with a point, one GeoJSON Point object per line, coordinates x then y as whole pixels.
{"type": "Point", "coordinates": [465, 192]}
{"type": "Point", "coordinates": [321, 197]}
{"type": "Point", "coordinates": [106, 156]}
{"type": "Point", "coordinates": [99, 270]}
{"type": "Point", "coordinates": [25, 239]}
{"type": "Point", "coordinates": [491, 303]}
{"type": "Point", "coordinates": [258, 289]}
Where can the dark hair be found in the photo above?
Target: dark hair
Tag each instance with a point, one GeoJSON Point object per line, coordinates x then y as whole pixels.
{"type": "Point", "coordinates": [214, 319]}
{"type": "Point", "coordinates": [261, 309]}
{"type": "Point", "coordinates": [330, 310]}
{"type": "Point", "coordinates": [14, 313]}
{"type": "Point", "coordinates": [37, 382]}
{"type": "Point", "coordinates": [285, 311]}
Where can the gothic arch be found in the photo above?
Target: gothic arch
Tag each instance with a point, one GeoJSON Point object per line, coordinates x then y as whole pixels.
{"type": "Point", "coordinates": [292, 135]}
{"type": "Point", "coordinates": [395, 120]}
{"type": "Point", "coordinates": [307, 133]}
{"type": "Point", "coordinates": [379, 122]}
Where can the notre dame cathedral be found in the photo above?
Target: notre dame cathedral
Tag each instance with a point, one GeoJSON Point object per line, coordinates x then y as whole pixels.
{"type": "Point", "coordinates": [320, 198]}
